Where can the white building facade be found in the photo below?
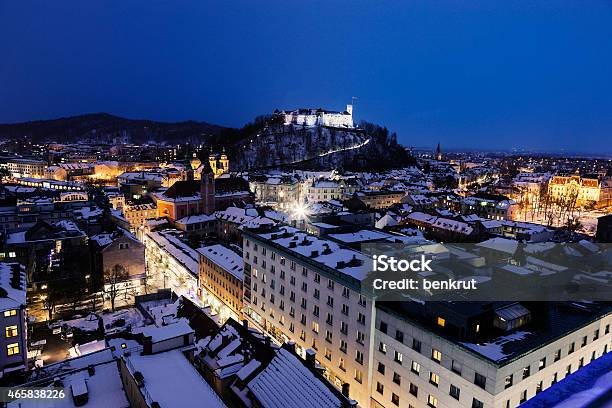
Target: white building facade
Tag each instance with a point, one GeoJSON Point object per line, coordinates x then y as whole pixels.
{"type": "Point", "coordinates": [300, 288]}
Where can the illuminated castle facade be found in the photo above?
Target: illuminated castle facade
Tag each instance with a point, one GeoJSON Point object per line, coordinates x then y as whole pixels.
{"type": "Point", "coordinates": [319, 117]}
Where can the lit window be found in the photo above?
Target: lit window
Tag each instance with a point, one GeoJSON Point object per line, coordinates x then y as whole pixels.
{"type": "Point", "coordinates": [11, 331]}
{"type": "Point", "coordinates": [8, 313]}
{"type": "Point", "coordinates": [12, 349]}
{"type": "Point", "coordinates": [434, 378]}
{"type": "Point", "coordinates": [441, 322]}
{"type": "Point", "coordinates": [436, 355]}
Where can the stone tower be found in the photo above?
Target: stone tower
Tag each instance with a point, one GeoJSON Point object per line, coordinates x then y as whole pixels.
{"type": "Point", "coordinates": [207, 190]}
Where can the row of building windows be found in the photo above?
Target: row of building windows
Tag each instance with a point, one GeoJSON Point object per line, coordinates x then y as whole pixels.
{"type": "Point", "coordinates": [479, 379]}
{"type": "Point", "coordinates": [292, 280]}
{"type": "Point", "coordinates": [432, 401]}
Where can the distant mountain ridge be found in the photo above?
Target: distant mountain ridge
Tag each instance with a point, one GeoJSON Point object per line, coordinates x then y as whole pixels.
{"type": "Point", "coordinates": [75, 128]}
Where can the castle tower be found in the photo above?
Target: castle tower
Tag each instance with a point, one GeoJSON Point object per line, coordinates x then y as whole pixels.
{"type": "Point", "coordinates": [207, 190]}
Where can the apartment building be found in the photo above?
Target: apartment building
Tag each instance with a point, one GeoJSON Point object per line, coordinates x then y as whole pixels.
{"type": "Point", "coordinates": [220, 279]}
{"type": "Point", "coordinates": [376, 199]}
{"type": "Point", "coordinates": [137, 213]}
{"type": "Point", "coordinates": [279, 191]}
{"type": "Point", "coordinates": [475, 355]}
{"type": "Point", "coordinates": [324, 189]}
{"type": "Point", "coordinates": [171, 263]}
{"type": "Point", "coordinates": [489, 206]}
{"type": "Point", "coordinates": [20, 167]}
{"type": "Point", "coordinates": [13, 328]}
{"type": "Point", "coordinates": [301, 288]}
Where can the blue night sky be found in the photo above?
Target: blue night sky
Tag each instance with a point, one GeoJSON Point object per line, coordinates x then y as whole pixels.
{"type": "Point", "coordinates": [481, 74]}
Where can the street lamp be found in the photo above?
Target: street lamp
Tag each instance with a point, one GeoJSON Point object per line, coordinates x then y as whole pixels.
{"type": "Point", "coordinates": [299, 211]}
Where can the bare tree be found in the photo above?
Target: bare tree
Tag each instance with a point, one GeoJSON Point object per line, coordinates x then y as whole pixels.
{"type": "Point", "coordinates": [113, 278]}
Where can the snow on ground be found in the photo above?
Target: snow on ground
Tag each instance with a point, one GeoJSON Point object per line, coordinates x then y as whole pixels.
{"type": "Point", "coordinates": [132, 317]}
{"type": "Point", "coordinates": [494, 351]}
{"type": "Point", "coordinates": [87, 324]}
{"type": "Point", "coordinates": [87, 348]}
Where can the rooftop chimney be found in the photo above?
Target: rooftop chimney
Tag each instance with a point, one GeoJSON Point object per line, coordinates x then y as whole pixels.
{"type": "Point", "coordinates": [345, 389]}
{"type": "Point", "coordinates": [310, 358]}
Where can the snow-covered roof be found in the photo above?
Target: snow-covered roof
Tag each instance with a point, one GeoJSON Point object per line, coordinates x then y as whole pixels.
{"type": "Point", "coordinates": [161, 333]}
{"type": "Point", "coordinates": [12, 285]}
{"type": "Point", "coordinates": [508, 246]}
{"type": "Point", "coordinates": [172, 381]}
{"type": "Point", "coordinates": [104, 389]}
{"type": "Point", "coordinates": [102, 239]}
{"type": "Point", "coordinates": [328, 253]}
{"type": "Point", "coordinates": [286, 382]}
{"type": "Point", "coordinates": [420, 216]}
{"type": "Point", "coordinates": [169, 241]}
{"type": "Point", "coordinates": [224, 257]}
{"type": "Point", "coordinates": [386, 221]}
{"type": "Point", "coordinates": [195, 219]}
{"type": "Point", "coordinates": [495, 350]}
{"type": "Point", "coordinates": [360, 236]}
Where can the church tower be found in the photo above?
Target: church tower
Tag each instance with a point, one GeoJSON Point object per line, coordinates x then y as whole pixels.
{"type": "Point", "coordinates": [207, 190]}
{"type": "Point", "coordinates": [438, 155]}
{"type": "Point", "coordinates": [195, 162]}
{"type": "Point", "coordinates": [224, 162]}
{"type": "Point", "coordinates": [212, 161]}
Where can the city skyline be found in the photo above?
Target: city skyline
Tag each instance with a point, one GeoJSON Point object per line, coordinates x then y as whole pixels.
{"type": "Point", "coordinates": [469, 76]}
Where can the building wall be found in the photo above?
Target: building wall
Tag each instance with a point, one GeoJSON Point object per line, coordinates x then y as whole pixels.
{"type": "Point", "coordinates": [127, 252]}
{"type": "Point", "coordinates": [7, 319]}
{"type": "Point", "coordinates": [277, 319]}
{"type": "Point", "coordinates": [160, 261]}
{"type": "Point", "coordinates": [494, 394]}
{"type": "Point", "coordinates": [222, 285]}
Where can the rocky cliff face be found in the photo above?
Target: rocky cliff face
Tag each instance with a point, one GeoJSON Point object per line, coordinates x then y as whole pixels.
{"type": "Point", "coordinates": [369, 147]}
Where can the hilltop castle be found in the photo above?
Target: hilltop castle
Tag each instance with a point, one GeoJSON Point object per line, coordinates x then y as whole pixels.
{"type": "Point", "coordinates": [318, 117]}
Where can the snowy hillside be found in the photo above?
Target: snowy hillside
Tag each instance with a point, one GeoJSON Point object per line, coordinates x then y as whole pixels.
{"type": "Point", "coordinates": [319, 147]}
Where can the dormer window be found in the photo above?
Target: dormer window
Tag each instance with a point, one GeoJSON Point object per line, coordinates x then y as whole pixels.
{"type": "Point", "coordinates": [511, 317]}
